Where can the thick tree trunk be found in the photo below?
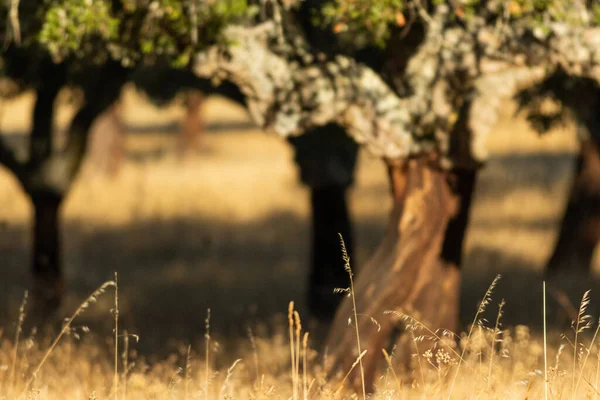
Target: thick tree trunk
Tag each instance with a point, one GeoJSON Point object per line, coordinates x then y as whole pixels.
{"type": "Point", "coordinates": [48, 284]}
{"type": "Point", "coordinates": [192, 125]}
{"type": "Point", "coordinates": [580, 227]}
{"type": "Point", "coordinates": [329, 219]}
{"type": "Point", "coordinates": [327, 157]}
{"type": "Point", "coordinates": [416, 267]}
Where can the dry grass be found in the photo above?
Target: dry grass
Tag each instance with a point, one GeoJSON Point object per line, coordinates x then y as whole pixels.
{"type": "Point", "coordinates": [229, 230]}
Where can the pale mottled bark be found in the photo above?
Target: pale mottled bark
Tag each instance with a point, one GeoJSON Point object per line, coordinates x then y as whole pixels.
{"type": "Point", "coordinates": [291, 89]}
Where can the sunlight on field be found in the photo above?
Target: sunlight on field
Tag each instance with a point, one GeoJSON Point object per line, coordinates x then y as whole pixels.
{"type": "Point", "coordinates": [490, 362]}
{"type": "Point", "coordinates": [228, 229]}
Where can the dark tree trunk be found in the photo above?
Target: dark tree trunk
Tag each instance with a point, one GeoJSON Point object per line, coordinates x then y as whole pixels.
{"type": "Point", "coordinates": [329, 218]}
{"type": "Point", "coordinates": [192, 124]}
{"type": "Point", "coordinates": [48, 285]}
{"type": "Point", "coordinates": [416, 267]}
{"type": "Point", "coordinates": [326, 157]}
{"type": "Point", "coordinates": [580, 227]}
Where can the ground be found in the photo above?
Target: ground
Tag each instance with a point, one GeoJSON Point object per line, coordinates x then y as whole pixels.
{"type": "Point", "coordinates": [228, 229]}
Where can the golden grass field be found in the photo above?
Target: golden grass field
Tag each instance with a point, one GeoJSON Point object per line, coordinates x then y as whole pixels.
{"type": "Point", "coordinates": [228, 230]}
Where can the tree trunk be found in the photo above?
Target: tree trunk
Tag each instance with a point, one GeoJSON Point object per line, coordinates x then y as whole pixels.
{"type": "Point", "coordinates": [415, 270]}
{"type": "Point", "coordinates": [106, 148]}
{"type": "Point", "coordinates": [329, 219]}
{"type": "Point", "coordinates": [580, 227]}
{"type": "Point", "coordinates": [192, 124]}
{"type": "Point", "coordinates": [326, 157]}
{"type": "Point", "coordinates": [50, 174]}
{"type": "Point", "coordinates": [48, 285]}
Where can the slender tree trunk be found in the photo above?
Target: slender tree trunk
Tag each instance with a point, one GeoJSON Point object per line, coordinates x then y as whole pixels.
{"type": "Point", "coordinates": [415, 270]}
{"type": "Point", "coordinates": [46, 262]}
{"type": "Point", "coordinates": [329, 219]}
{"type": "Point", "coordinates": [580, 227]}
{"type": "Point", "coordinates": [192, 125]}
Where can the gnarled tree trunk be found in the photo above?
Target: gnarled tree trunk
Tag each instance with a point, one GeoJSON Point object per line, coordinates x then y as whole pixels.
{"type": "Point", "coordinates": [416, 267]}
{"type": "Point", "coordinates": [580, 226]}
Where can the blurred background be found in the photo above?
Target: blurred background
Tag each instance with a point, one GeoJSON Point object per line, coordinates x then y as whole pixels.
{"type": "Point", "coordinates": [226, 225]}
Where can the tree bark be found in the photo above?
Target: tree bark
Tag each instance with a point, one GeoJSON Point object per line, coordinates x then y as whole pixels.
{"type": "Point", "coordinates": [415, 270]}
{"type": "Point", "coordinates": [192, 125]}
{"type": "Point", "coordinates": [329, 219]}
{"type": "Point", "coordinates": [106, 149]}
{"type": "Point", "coordinates": [48, 285]}
{"type": "Point", "coordinates": [580, 226]}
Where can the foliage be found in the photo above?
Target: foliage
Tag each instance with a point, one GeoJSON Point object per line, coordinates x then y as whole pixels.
{"type": "Point", "coordinates": [373, 18]}
{"type": "Point", "coordinates": [71, 27]}
{"type": "Point", "coordinates": [88, 32]}
{"type": "Point", "coordinates": [378, 19]}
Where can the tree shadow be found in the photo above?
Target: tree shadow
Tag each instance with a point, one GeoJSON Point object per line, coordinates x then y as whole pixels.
{"type": "Point", "coordinates": [520, 287]}
{"type": "Point", "coordinates": [172, 270]}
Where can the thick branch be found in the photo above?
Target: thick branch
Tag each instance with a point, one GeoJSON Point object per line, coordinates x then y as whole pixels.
{"type": "Point", "coordinates": [290, 90]}
{"type": "Point", "coordinates": [291, 97]}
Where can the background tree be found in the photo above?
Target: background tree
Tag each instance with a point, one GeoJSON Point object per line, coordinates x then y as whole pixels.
{"type": "Point", "coordinates": [91, 48]}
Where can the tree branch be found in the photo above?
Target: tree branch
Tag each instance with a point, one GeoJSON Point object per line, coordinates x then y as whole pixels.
{"type": "Point", "coordinates": [290, 90]}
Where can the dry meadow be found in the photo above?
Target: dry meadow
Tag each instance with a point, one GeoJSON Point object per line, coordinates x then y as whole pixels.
{"type": "Point", "coordinates": [228, 229]}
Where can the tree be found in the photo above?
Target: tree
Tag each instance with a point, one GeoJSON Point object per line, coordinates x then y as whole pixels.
{"type": "Point", "coordinates": [580, 227]}
{"type": "Point", "coordinates": [46, 176]}
{"type": "Point", "coordinates": [92, 48]}
{"type": "Point", "coordinates": [417, 83]}
{"type": "Point", "coordinates": [427, 111]}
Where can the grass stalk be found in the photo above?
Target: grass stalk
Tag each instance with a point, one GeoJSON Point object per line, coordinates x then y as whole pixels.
{"type": "Point", "coordinates": [292, 348]}
{"type": "Point", "coordinates": [82, 307]}
{"type": "Point", "coordinates": [545, 341]}
{"type": "Point", "coordinates": [116, 361]}
{"type": "Point", "coordinates": [207, 352]}
{"type": "Point", "coordinates": [492, 351]}
{"type": "Point", "coordinates": [304, 365]}
{"type": "Point", "coordinates": [485, 301]}
{"type": "Point", "coordinates": [580, 325]}
{"type": "Point", "coordinates": [21, 318]}
{"type": "Point", "coordinates": [348, 269]}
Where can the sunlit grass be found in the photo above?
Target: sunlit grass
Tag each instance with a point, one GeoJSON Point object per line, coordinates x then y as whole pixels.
{"type": "Point", "coordinates": [490, 362]}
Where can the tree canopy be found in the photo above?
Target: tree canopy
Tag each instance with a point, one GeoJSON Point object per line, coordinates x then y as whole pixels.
{"type": "Point", "coordinates": [396, 74]}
